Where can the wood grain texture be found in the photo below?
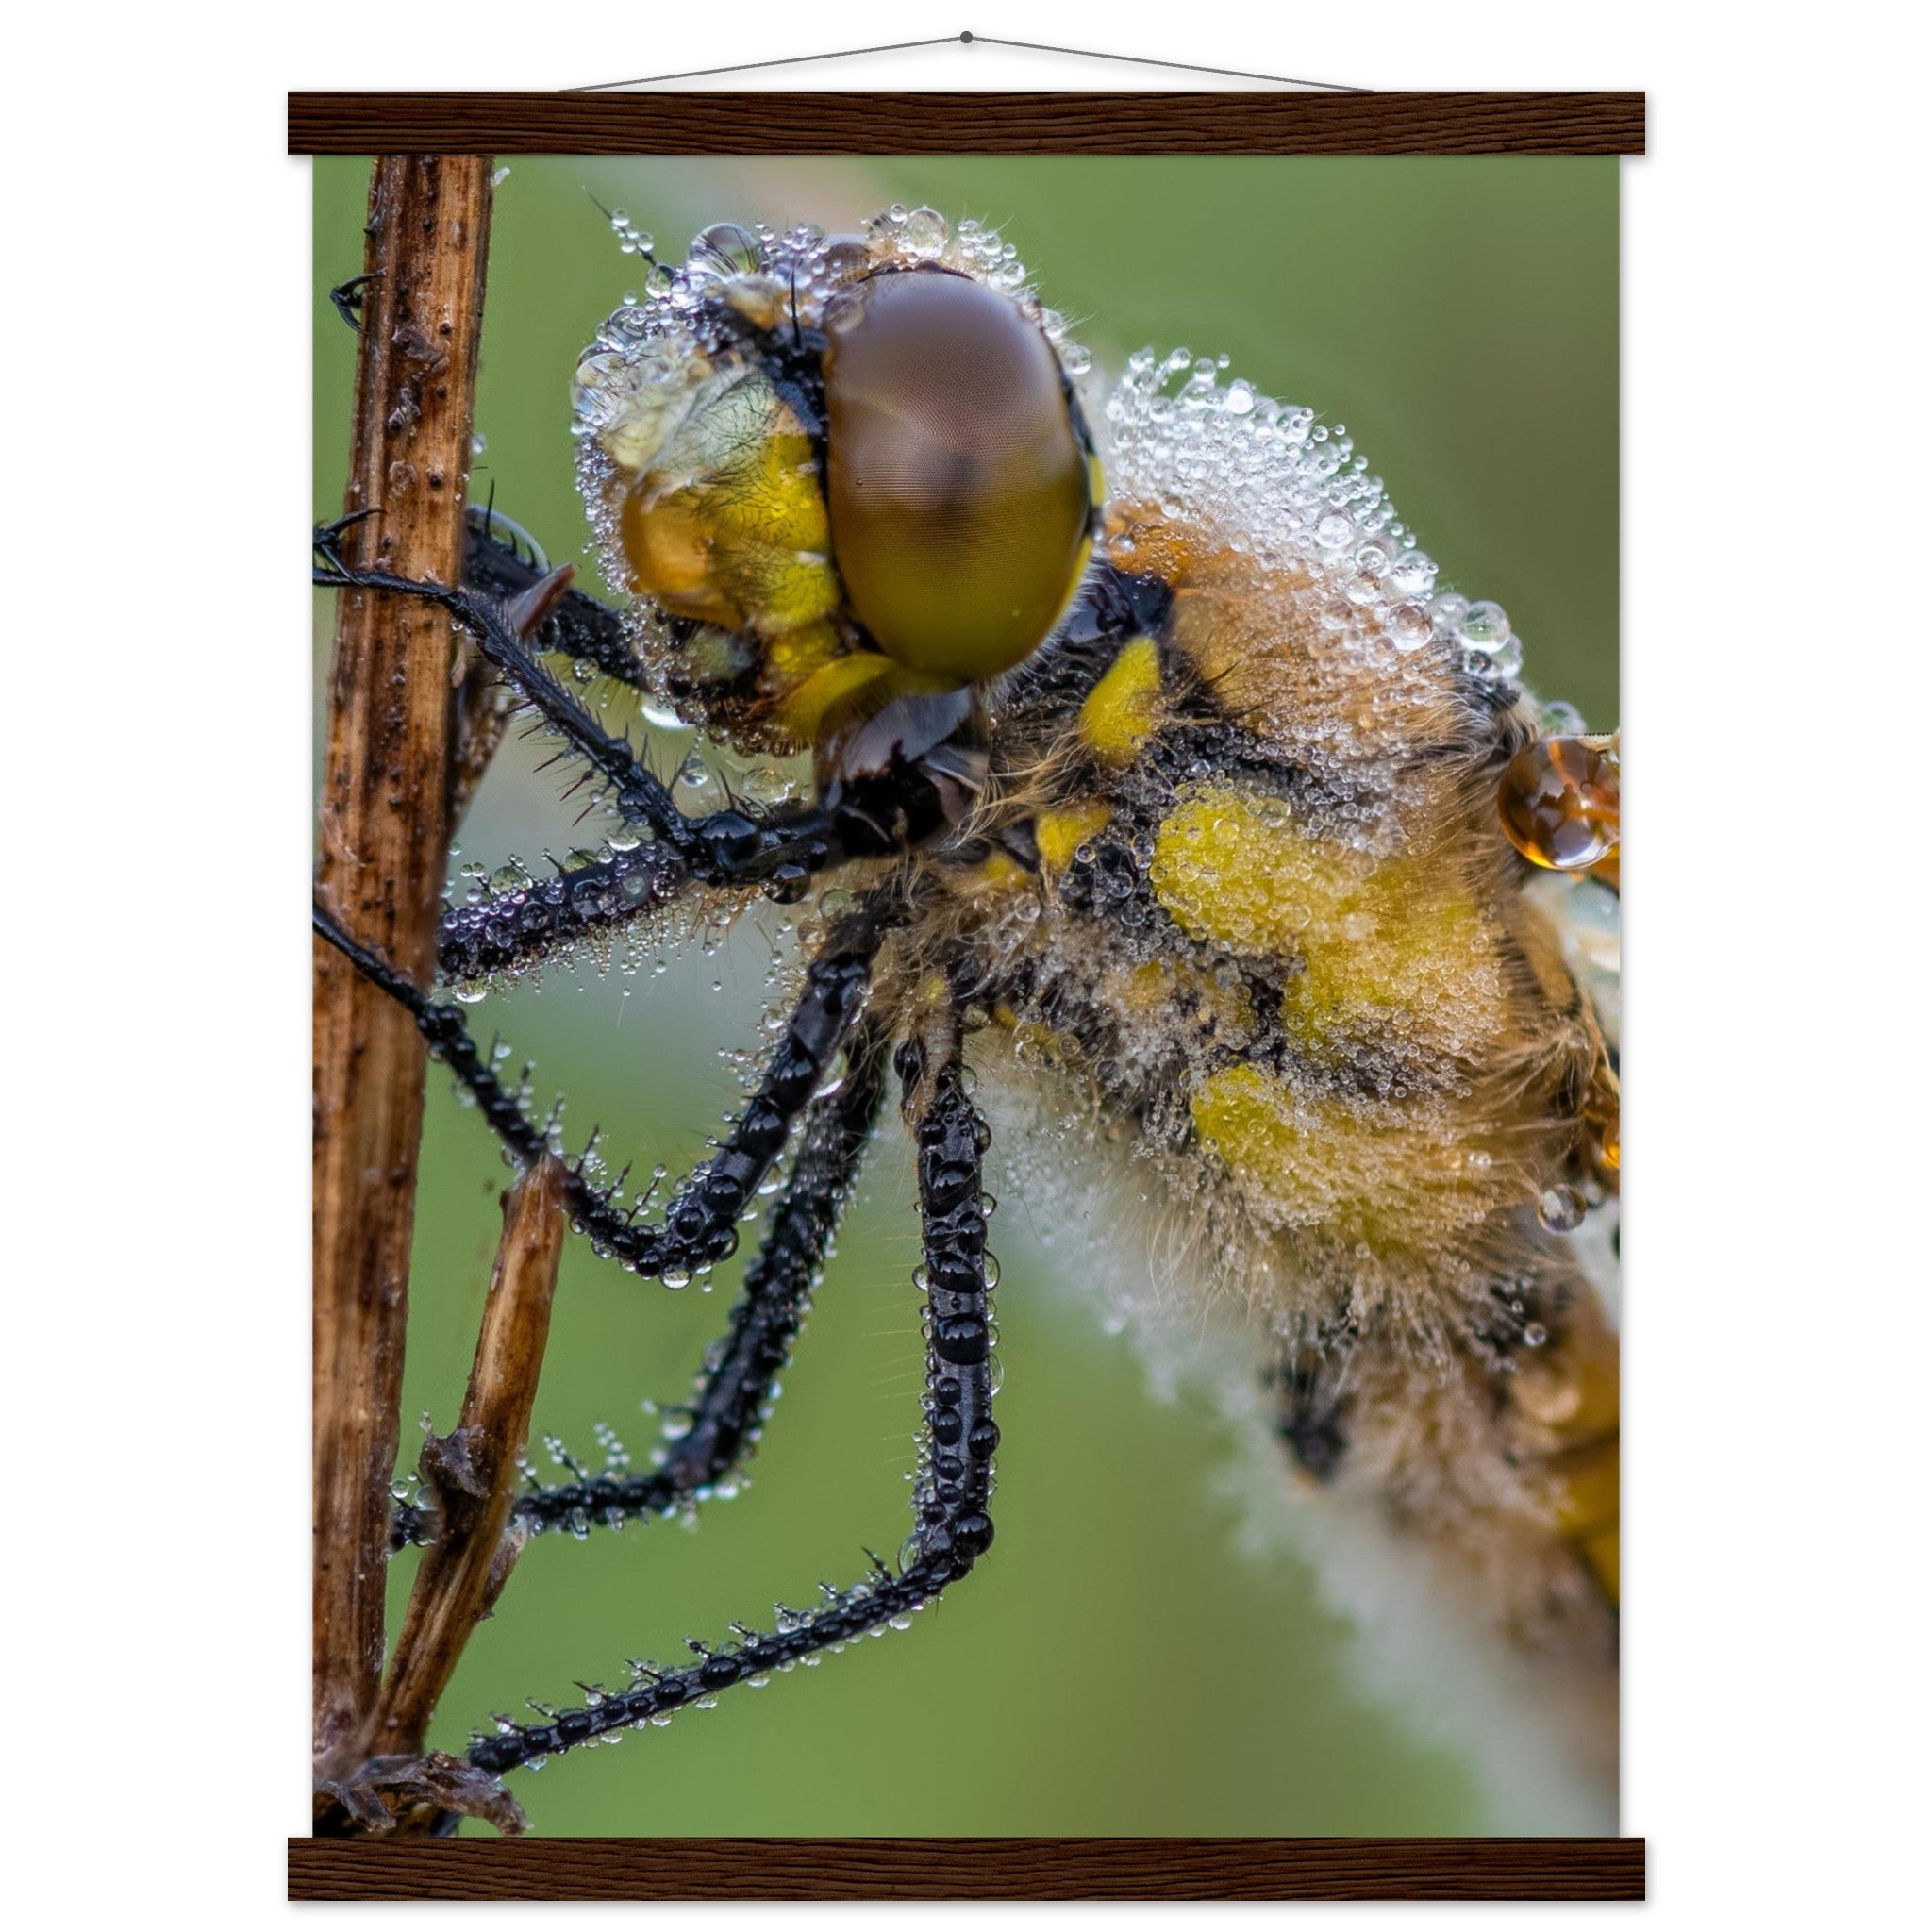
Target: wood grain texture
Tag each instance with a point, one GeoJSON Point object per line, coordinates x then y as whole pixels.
{"type": "Point", "coordinates": [384, 840]}
{"type": "Point", "coordinates": [905, 124]}
{"type": "Point", "coordinates": [970, 1867]}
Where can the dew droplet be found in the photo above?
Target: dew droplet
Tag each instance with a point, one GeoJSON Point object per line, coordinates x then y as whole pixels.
{"type": "Point", "coordinates": [1562, 1209]}
{"type": "Point", "coordinates": [1560, 800]}
{"type": "Point", "coordinates": [1505, 660]}
{"type": "Point", "coordinates": [725, 249]}
{"type": "Point", "coordinates": [1484, 625]}
{"type": "Point", "coordinates": [924, 231]}
{"type": "Point", "coordinates": [1409, 627]}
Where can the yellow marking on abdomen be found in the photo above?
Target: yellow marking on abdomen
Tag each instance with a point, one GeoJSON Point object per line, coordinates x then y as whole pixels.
{"type": "Point", "coordinates": [998, 872]}
{"type": "Point", "coordinates": [1124, 710]}
{"type": "Point", "coordinates": [1060, 833]}
{"type": "Point", "coordinates": [1315, 1161]}
{"type": "Point", "coordinates": [1233, 868]}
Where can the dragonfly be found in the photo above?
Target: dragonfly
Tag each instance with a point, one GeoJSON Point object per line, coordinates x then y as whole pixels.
{"type": "Point", "coordinates": [1146, 807]}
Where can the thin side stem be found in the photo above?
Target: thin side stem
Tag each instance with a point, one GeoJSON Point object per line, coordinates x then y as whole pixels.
{"type": "Point", "coordinates": [473, 1472]}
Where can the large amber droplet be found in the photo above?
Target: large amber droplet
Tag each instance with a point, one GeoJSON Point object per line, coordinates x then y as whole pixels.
{"type": "Point", "coordinates": [1560, 804]}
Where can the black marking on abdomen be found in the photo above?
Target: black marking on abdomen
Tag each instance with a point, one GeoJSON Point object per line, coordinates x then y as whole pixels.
{"type": "Point", "coordinates": [1312, 1412]}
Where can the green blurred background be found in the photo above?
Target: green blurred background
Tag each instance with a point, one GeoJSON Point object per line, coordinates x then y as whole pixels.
{"type": "Point", "coordinates": [1117, 1666]}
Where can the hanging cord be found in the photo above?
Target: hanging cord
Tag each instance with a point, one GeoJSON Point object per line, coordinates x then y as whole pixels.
{"type": "Point", "coordinates": [968, 39]}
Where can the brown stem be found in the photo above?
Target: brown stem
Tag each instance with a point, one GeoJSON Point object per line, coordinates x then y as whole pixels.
{"type": "Point", "coordinates": [483, 703]}
{"type": "Point", "coordinates": [482, 711]}
{"type": "Point", "coordinates": [472, 1473]}
{"type": "Point", "coordinates": [384, 851]}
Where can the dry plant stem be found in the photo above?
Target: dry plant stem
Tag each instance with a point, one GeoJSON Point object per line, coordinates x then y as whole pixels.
{"type": "Point", "coordinates": [473, 1472]}
{"type": "Point", "coordinates": [384, 846]}
{"type": "Point", "coordinates": [481, 715]}
{"type": "Point", "coordinates": [482, 710]}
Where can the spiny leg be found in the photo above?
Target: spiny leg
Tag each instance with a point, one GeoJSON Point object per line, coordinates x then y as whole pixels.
{"type": "Point", "coordinates": [501, 559]}
{"type": "Point", "coordinates": [515, 925]}
{"type": "Point", "coordinates": [503, 928]}
{"type": "Point", "coordinates": [700, 1227]}
{"type": "Point", "coordinates": [735, 1392]}
{"type": "Point", "coordinates": [953, 1526]}
{"type": "Point", "coordinates": [720, 848]}
{"type": "Point", "coordinates": [537, 917]}
{"type": "Point", "coordinates": [778, 852]}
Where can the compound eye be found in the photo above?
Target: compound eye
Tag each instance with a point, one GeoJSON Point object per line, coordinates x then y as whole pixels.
{"type": "Point", "coordinates": [959, 487]}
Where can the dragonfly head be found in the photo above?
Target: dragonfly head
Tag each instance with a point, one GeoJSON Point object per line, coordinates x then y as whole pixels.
{"type": "Point", "coordinates": [847, 477]}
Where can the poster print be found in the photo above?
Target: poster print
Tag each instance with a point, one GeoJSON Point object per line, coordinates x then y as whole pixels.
{"type": "Point", "coordinates": [1295, 1051]}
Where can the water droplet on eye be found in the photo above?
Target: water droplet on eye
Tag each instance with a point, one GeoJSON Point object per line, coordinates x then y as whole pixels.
{"type": "Point", "coordinates": [1534, 1335]}
{"type": "Point", "coordinates": [1560, 1210]}
{"type": "Point", "coordinates": [924, 231]}
{"type": "Point", "coordinates": [1560, 800]}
